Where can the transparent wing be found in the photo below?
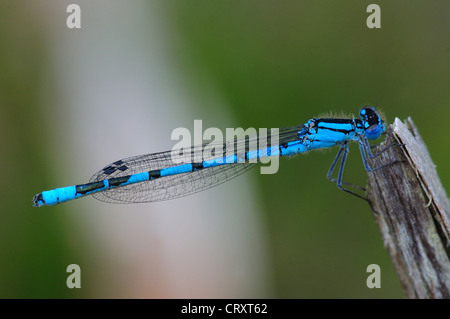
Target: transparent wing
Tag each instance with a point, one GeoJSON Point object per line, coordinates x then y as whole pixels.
{"type": "Point", "coordinates": [179, 185]}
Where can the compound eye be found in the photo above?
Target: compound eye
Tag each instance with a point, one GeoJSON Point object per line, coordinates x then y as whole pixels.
{"type": "Point", "coordinates": [374, 131]}
{"type": "Point", "coordinates": [369, 116]}
{"type": "Point", "coordinates": [373, 125]}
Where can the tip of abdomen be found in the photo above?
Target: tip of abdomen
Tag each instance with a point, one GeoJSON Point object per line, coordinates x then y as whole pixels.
{"type": "Point", "coordinates": [38, 200]}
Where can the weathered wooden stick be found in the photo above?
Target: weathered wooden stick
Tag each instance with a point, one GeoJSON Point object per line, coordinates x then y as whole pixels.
{"type": "Point", "coordinates": [412, 211]}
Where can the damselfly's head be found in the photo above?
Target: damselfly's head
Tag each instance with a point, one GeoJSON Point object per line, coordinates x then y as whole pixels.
{"type": "Point", "coordinates": [372, 122]}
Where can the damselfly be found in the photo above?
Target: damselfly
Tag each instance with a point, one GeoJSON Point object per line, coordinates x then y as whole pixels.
{"type": "Point", "coordinates": [160, 176]}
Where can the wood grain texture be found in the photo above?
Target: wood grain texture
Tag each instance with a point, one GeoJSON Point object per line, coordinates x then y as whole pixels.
{"type": "Point", "coordinates": [412, 211]}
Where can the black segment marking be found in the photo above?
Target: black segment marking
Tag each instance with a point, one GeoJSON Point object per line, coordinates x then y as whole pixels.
{"type": "Point", "coordinates": [117, 181]}
{"type": "Point", "coordinates": [341, 121]}
{"type": "Point", "coordinates": [154, 174]}
{"type": "Point", "coordinates": [87, 188]}
{"type": "Point", "coordinates": [122, 168]}
{"type": "Point", "coordinates": [197, 166]}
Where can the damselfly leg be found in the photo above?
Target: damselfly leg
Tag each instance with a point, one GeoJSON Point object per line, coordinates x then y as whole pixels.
{"type": "Point", "coordinates": [365, 149]}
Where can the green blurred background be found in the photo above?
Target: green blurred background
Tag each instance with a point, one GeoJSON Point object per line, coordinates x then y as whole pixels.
{"type": "Point", "coordinates": [273, 64]}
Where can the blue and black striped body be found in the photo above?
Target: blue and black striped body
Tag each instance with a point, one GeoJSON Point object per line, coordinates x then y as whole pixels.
{"type": "Point", "coordinates": [161, 176]}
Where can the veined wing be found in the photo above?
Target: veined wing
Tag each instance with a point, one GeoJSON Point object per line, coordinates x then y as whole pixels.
{"type": "Point", "coordinates": [182, 184]}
